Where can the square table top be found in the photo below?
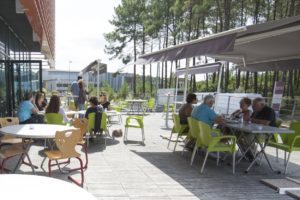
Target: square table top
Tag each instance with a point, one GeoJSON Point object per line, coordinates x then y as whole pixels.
{"type": "Point", "coordinates": [258, 128]}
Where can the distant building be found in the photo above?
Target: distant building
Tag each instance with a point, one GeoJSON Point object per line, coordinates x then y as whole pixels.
{"type": "Point", "coordinates": [115, 80]}
{"type": "Point", "coordinates": [59, 80]}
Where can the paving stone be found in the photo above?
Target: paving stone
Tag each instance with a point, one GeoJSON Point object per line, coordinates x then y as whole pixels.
{"type": "Point", "coordinates": [151, 171]}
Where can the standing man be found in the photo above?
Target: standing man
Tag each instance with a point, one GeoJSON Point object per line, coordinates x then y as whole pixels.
{"type": "Point", "coordinates": [205, 114]}
{"type": "Point", "coordinates": [75, 91]}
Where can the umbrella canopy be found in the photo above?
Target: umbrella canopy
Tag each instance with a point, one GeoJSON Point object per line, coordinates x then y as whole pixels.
{"type": "Point", "coordinates": [221, 42]}
{"type": "Point", "coordinates": [270, 46]}
{"type": "Point", "coordinates": [200, 69]}
{"type": "Point", "coordinates": [274, 45]}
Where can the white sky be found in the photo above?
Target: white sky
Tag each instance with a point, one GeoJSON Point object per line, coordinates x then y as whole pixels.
{"type": "Point", "coordinates": [80, 25]}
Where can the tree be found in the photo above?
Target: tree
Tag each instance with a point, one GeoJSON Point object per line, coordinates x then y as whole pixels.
{"type": "Point", "coordinates": [128, 29]}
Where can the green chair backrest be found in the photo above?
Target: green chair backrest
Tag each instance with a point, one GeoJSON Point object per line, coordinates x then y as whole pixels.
{"type": "Point", "coordinates": [91, 121]}
{"type": "Point", "coordinates": [290, 137]}
{"type": "Point", "coordinates": [205, 133]}
{"type": "Point", "coordinates": [176, 120]}
{"type": "Point", "coordinates": [103, 121]}
{"type": "Point", "coordinates": [54, 118]}
{"type": "Point", "coordinates": [194, 129]}
{"type": "Point", "coordinates": [151, 103]}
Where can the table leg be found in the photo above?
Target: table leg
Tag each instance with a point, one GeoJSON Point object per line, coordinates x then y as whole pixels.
{"type": "Point", "coordinates": [245, 152]}
{"type": "Point", "coordinates": [262, 151]}
{"type": "Point", "coordinates": [21, 159]}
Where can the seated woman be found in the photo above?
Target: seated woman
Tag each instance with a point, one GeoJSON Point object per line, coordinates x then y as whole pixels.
{"type": "Point", "coordinates": [244, 111]}
{"type": "Point", "coordinates": [94, 107]}
{"type": "Point", "coordinates": [27, 112]}
{"type": "Point", "coordinates": [40, 101]}
{"type": "Point", "coordinates": [104, 101]}
{"type": "Point", "coordinates": [54, 107]}
{"type": "Point", "coordinates": [245, 114]}
{"type": "Point", "coordinates": [186, 109]}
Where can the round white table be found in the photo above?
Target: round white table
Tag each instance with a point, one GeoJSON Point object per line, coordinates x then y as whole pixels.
{"type": "Point", "coordinates": [18, 186]}
{"type": "Point", "coordinates": [34, 131]}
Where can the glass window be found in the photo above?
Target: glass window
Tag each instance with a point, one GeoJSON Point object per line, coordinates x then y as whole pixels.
{"type": "Point", "coordinates": [3, 105]}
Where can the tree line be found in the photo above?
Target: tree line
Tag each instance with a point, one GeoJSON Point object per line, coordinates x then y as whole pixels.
{"type": "Point", "coordinates": [143, 26]}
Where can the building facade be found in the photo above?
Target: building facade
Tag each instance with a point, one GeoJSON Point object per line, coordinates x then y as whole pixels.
{"type": "Point", "coordinates": [58, 80]}
{"type": "Point", "coordinates": [26, 30]}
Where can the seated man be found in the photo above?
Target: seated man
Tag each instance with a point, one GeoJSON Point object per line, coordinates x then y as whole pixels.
{"type": "Point", "coordinates": [205, 114]}
{"type": "Point", "coordinates": [262, 114]}
{"type": "Point", "coordinates": [94, 107]}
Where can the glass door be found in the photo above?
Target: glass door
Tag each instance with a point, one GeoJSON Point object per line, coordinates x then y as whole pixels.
{"type": "Point", "coordinates": [19, 77]}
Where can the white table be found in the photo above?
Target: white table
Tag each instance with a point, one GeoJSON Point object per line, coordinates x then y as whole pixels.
{"type": "Point", "coordinates": [17, 186]}
{"type": "Point", "coordinates": [34, 131]}
{"type": "Point", "coordinates": [113, 113]}
{"type": "Point", "coordinates": [76, 113]}
{"type": "Point", "coordinates": [258, 130]}
{"type": "Point", "coordinates": [136, 103]}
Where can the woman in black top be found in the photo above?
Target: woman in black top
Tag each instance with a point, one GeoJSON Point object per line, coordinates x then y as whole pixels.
{"type": "Point", "coordinates": [104, 101]}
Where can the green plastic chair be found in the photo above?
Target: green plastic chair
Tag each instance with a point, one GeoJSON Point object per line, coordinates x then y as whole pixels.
{"type": "Point", "coordinates": [290, 143]}
{"type": "Point", "coordinates": [194, 132]}
{"type": "Point", "coordinates": [171, 110]}
{"type": "Point", "coordinates": [54, 118]}
{"type": "Point", "coordinates": [151, 104]}
{"type": "Point", "coordinates": [177, 128]}
{"type": "Point", "coordinates": [214, 144]}
{"type": "Point", "coordinates": [275, 138]}
{"type": "Point", "coordinates": [138, 123]}
{"type": "Point", "coordinates": [103, 125]}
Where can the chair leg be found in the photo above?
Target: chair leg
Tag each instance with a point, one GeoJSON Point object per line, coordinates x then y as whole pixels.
{"type": "Point", "coordinates": [125, 134]}
{"type": "Point", "coordinates": [86, 158]}
{"type": "Point", "coordinates": [81, 172]}
{"type": "Point", "coordinates": [170, 140]}
{"type": "Point", "coordinates": [233, 162]}
{"type": "Point", "coordinates": [287, 162]}
{"type": "Point", "coordinates": [49, 167]}
{"type": "Point", "coordinates": [277, 155]}
{"type": "Point", "coordinates": [3, 164]}
{"type": "Point", "coordinates": [284, 162]}
{"type": "Point", "coordinates": [194, 154]}
{"type": "Point", "coordinates": [202, 168]}
{"type": "Point", "coordinates": [143, 135]}
{"type": "Point", "coordinates": [218, 158]}
{"type": "Point", "coordinates": [176, 143]}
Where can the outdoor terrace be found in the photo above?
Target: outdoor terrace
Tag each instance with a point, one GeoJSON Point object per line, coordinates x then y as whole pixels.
{"type": "Point", "coordinates": [133, 171]}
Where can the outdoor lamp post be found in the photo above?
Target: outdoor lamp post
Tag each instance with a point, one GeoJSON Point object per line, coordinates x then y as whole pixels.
{"type": "Point", "coordinates": [98, 83]}
{"type": "Point", "coordinates": [69, 71]}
